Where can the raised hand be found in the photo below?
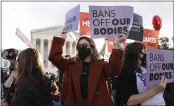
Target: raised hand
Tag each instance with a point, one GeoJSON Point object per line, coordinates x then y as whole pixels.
{"type": "Point", "coordinates": [63, 35]}
{"type": "Point", "coordinates": [122, 37]}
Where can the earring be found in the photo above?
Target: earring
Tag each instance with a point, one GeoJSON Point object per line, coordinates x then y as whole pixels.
{"type": "Point", "coordinates": [92, 52]}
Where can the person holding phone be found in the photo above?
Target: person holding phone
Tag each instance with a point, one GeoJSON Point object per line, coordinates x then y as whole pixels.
{"type": "Point", "coordinates": [131, 85]}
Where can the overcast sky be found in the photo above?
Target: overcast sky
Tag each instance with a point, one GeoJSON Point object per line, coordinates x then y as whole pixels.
{"type": "Point", "coordinates": [33, 15]}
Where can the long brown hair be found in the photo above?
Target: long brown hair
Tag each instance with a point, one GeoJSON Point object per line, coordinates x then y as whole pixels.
{"type": "Point", "coordinates": [131, 56]}
{"type": "Point", "coordinates": [95, 55]}
{"type": "Point", "coordinates": [29, 65]}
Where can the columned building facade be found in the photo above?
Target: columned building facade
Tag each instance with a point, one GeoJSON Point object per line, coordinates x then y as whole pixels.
{"type": "Point", "coordinates": [42, 39]}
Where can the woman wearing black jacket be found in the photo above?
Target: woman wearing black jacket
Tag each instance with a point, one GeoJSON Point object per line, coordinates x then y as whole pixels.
{"type": "Point", "coordinates": [131, 89]}
{"type": "Point", "coordinates": [33, 88]}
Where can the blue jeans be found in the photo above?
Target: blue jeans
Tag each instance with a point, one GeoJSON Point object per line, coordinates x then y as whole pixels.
{"type": "Point", "coordinates": [56, 103]}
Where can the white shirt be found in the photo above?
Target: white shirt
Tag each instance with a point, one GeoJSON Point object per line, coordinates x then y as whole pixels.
{"type": "Point", "coordinates": [142, 87]}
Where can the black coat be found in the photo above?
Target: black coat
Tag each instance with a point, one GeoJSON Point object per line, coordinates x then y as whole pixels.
{"type": "Point", "coordinates": [113, 82]}
{"type": "Point", "coordinates": [30, 92]}
{"type": "Point", "coordinates": [169, 94]}
{"type": "Point", "coordinates": [126, 85]}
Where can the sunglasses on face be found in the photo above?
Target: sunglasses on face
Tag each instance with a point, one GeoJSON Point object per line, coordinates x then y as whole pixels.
{"type": "Point", "coordinates": [143, 53]}
{"type": "Point", "coordinates": [82, 45]}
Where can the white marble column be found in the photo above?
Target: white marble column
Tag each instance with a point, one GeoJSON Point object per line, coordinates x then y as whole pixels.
{"type": "Point", "coordinates": [67, 48]}
{"type": "Point", "coordinates": [42, 49]}
{"type": "Point", "coordinates": [49, 47]}
{"type": "Point", "coordinates": [34, 42]}
{"type": "Point", "coordinates": [64, 49]}
{"type": "Point", "coordinates": [74, 47]}
{"type": "Point", "coordinates": [70, 47]}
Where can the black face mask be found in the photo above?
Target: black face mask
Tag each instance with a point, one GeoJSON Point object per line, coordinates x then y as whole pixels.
{"type": "Point", "coordinates": [83, 51]}
{"type": "Point", "coordinates": [143, 61]}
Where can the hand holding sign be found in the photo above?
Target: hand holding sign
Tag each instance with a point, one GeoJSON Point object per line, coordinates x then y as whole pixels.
{"type": "Point", "coordinates": [120, 39]}
{"type": "Point", "coordinates": [158, 88]}
{"type": "Point", "coordinates": [63, 35]}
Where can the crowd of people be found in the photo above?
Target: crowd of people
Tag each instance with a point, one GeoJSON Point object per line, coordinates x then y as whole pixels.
{"type": "Point", "coordinates": [86, 79]}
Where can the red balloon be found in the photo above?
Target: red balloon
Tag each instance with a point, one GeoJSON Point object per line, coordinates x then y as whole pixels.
{"type": "Point", "coordinates": [157, 22]}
